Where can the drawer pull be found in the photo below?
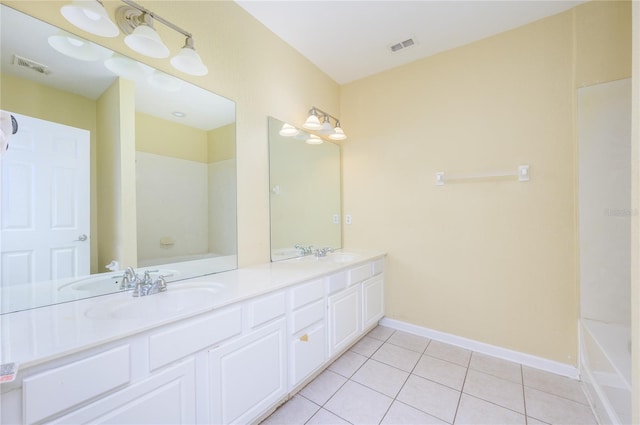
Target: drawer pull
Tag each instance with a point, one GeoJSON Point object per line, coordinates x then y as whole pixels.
{"type": "Point", "coordinates": [304, 338]}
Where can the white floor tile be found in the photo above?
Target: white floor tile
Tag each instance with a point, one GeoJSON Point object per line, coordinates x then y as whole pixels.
{"type": "Point", "coordinates": [347, 364]}
{"type": "Point", "coordinates": [400, 413]}
{"type": "Point", "coordinates": [497, 367]}
{"type": "Point", "coordinates": [409, 341]}
{"type": "Point", "coordinates": [534, 421]}
{"type": "Point", "coordinates": [448, 352]}
{"type": "Point", "coordinates": [323, 387]}
{"type": "Point", "coordinates": [359, 404]}
{"type": "Point", "coordinates": [430, 397]}
{"type": "Point", "coordinates": [556, 410]}
{"type": "Point", "coordinates": [554, 384]}
{"type": "Point", "coordinates": [298, 410]}
{"type": "Point", "coordinates": [366, 346]}
{"type": "Point", "coordinates": [381, 332]}
{"type": "Point", "coordinates": [441, 371]}
{"type": "Point", "coordinates": [495, 390]}
{"type": "Point", "coordinates": [324, 417]}
{"type": "Point", "coordinates": [473, 411]}
{"type": "Point", "coordinates": [397, 356]}
{"type": "Point", "coordinates": [381, 377]}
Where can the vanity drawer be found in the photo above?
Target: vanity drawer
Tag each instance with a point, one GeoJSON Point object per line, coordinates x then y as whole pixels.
{"type": "Point", "coordinates": [378, 266]}
{"type": "Point", "coordinates": [179, 341]}
{"type": "Point", "coordinates": [266, 309]}
{"type": "Point", "coordinates": [360, 273]}
{"type": "Point", "coordinates": [306, 293]}
{"type": "Point", "coordinates": [306, 316]}
{"type": "Point", "coordinates": [55, 390]}
{"type": "Point", "coordinates": [337, 282]}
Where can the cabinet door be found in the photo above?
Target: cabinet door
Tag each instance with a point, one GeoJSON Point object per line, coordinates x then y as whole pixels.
{"type": "Point", "coordinates": [345, 318]}
{"type": "Point", "coordinates": [167, 397]}
{"type": "Point", "coordinates": [248, 375]}
{"type": "Point", "coordinates": [372, 301]}
{"type": "Point", "coordinates": [307, 353]}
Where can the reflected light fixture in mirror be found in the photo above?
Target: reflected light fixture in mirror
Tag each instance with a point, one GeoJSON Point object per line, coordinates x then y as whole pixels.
{"type": "Point", "coordinates": [314, 140]}
{"type": "Point", "coordinates": [313, 123]}
{"type": "Point", "coordinates": [76, 48]}
{"type": "Point", "coordinates": [137, 23]}
{"type": "Point", "coordinates": [288, 130]}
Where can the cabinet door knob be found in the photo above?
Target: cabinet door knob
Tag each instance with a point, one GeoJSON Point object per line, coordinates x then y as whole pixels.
{"type": "Point", "coordinates": [304, 338]}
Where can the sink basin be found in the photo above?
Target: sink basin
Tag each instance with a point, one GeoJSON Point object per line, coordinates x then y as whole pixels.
{"type": "Point", "coordinates": [165, 304]}
{"type": "Point", "coordinates": [107, 282]}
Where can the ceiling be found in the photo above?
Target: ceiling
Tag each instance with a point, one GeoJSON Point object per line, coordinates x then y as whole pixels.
{"type": "Point", "coordinates": [350, 40]}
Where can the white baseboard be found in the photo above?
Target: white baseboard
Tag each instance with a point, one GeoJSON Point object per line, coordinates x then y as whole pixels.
{"type": "Point", "coordinates": [481, 347]}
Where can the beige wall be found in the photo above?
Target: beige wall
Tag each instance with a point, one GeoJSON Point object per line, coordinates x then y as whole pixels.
{"type": "Point", "coordinates": [635, 219]}
{"type": "Point", "coordinates": [248, 64]}
{"type": "Point", "coordinates": [494, 261]}
{"type": "Point", "coordinates": [221, 143]}
{"type": "Point", "coordinates": [167, 138]}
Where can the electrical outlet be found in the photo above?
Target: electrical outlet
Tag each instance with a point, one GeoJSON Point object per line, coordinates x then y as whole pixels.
{"type": "Point", "coordinates": [336, 219]}
{"type": "Point", "coordinates": [348, 219]}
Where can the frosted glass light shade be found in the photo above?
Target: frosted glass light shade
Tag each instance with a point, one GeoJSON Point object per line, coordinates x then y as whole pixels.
{"type": "Point", "coordinates": [77, 48]}
{"type": "Point", "coordinates": [288, 130]}
{"type": "Point", "coordinates": [338, 135]}
{"type": "Point", "coordinates": [90, 16]}
{"type": "Point", "coordinates": [146, 41]}
{"type": "Point", "coordinates": [312, 123]}
{"type": "Point", "coordinates": [128, 68]}
{"type": "Point", "coordinates": [314, 140]}
{"type": "Point", "coordinates": [163, 81]}
{"type": "Point", "coordinates": [189, 62]}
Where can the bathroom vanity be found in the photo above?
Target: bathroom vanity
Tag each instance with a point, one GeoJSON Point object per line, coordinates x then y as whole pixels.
{"type": "Point", "coordinates": [224, 348]}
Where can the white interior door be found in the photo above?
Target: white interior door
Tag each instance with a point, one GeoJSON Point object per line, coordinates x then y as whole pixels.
{"type": "Point", "coordinates": [45, 203]}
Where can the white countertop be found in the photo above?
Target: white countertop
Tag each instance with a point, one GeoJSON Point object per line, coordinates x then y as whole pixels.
{"type": "Point", "coordinates": [42, 334]}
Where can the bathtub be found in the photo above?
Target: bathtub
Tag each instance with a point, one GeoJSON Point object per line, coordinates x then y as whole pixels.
{"type": "Point", "coordinates": [605, 369]}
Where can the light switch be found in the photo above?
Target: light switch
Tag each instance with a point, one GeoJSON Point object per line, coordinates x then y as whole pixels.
{"type": "Point", "coordinates": [347, 218]}
{"type": "Point", "coordinates": [336, 219]}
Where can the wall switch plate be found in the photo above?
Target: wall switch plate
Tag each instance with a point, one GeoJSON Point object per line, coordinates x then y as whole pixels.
{"type": "Point", "coordinates": [347, 218]}
{"type": "Point", "coordinates": [336, 219]}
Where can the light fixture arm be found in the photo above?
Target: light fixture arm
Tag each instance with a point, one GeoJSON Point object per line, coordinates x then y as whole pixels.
{"type": "Point", "coordinates": [157, 18]}
{"type": "Point", "coordinates": [316, 111]}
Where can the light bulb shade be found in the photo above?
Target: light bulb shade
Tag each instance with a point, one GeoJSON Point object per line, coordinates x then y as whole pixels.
{"type": "Point", "coordinates": [288, 130]}
{"type": "Point", "coordinates": [163, 81]}
{"type": "Point", "coordinates": [128, 68]}
{"type": "Point", "coordinates": [338, 135]}
{"type": "Point", "coordinates": [90, 16]}
{"type": "Point", "coordinates": [189, 62]}
{"type": "Point", "coordinates": [312, 123]}
{"type": "Point", "coordinates": [77, 48]}
{"type": "Point", "coordinates": [314, 140]}
{"type": "Point", "coordinates": [146, 41]}
{"type": "Point", "coordinates": [327, 128]}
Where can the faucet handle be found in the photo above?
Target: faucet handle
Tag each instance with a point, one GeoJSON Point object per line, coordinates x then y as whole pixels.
{"type": "Point", "coordinates": [161, 283]}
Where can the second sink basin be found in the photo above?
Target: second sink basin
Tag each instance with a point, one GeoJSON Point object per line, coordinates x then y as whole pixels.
{"type": "Point", "coordinates": [174, 301]}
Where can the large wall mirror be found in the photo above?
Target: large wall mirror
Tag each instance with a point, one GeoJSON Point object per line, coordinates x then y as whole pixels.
{"type": "Point", "coordinates": [304, 178]}
{"type": "Point", "coordinates": [114, 164]}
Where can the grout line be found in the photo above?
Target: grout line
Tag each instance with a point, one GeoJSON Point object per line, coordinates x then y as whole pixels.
{"type": "Point", "coordinates": [455, 415]}
{"type": "Point", "coordinates": [524, 398]}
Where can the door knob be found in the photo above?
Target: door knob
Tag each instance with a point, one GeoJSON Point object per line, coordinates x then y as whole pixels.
{"type": "Point", "coordinates": [82, 238]}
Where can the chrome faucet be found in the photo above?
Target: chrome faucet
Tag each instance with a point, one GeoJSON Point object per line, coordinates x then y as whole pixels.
{"type": "Point", "coordinates": [322, 252]}
{"type": "Point", "coordinates": [147, 286]}
{"type": "Point", "coordinates": [129, 278]}
{"type": "Point", "coordinates": [304, 250]}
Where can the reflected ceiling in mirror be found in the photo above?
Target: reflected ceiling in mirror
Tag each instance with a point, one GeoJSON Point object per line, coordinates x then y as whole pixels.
{"type": "Point", "coordinates": [304, 178]}
{"type": "Point", "coordinates": [44, 80]}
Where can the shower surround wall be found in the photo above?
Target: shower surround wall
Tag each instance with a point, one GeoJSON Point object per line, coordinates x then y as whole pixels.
{"type": "Point", "coordinates": [605, 210]}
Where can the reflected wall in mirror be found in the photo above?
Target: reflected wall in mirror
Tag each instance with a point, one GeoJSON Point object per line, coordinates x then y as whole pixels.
{"type": "Point", "coordinates": [114, 163]}
{"type": "Point", "coordinates": [305, 191]}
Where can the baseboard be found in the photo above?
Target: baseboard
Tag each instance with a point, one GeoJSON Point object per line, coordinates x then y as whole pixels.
{"type": "Point", "coordinates": [484, 348]}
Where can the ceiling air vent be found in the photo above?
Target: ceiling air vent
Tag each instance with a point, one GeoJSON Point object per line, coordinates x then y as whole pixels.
{"type": "Point", "coordinates": [28, 63]}
{"type": "Point", "coordinates": [396, 47]}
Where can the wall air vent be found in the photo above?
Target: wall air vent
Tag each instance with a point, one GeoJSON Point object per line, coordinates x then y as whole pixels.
{"type": "Point", "coordinates": [396, 47]}
{"type": "Point", "coordinates": [33, 65]}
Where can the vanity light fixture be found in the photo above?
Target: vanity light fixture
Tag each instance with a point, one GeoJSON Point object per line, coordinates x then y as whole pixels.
{"type": "Point", "coordinates": [314, 140]}
{"type": "Point", "coordinates": [288, 130]}
{"type": "Point", "coordinates": [90, 16]}
{"type": "Point", "coordinates": [313, 123]}
{"type": "Point", "coordinates": [137, 23]}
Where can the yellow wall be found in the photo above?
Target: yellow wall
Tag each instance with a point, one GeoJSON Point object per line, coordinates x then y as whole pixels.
{"type": "Point", "coordinates": [635, 219]}
{"type": "Point", "coordinates": [167, 138]}
{"type": "Point", "coordinates": [115, 173]}
{"type": "Point", "coordinates": [221, 143]}
{"type": "Point", "coordinates": [494, 261]}
{"type": "Point", "coordinates": [40, 101]}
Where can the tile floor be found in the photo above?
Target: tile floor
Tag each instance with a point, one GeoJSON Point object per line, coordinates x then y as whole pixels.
{"type": "Point", "coordinates": [392, 377]}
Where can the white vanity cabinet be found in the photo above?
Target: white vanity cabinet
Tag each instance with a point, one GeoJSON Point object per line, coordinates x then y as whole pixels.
{"type": "Point", "coordinates": [248, 374]}
{"type": "Point", "coordinates": [233, 364]}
